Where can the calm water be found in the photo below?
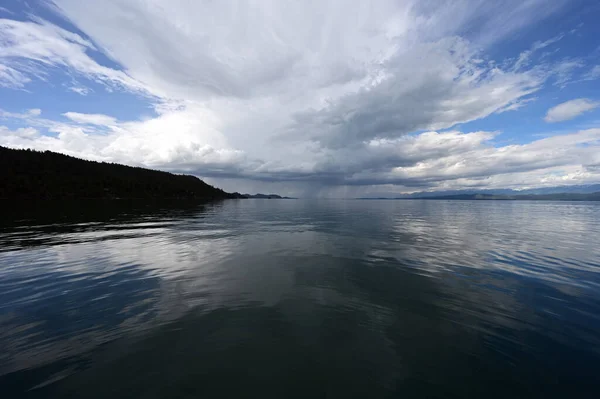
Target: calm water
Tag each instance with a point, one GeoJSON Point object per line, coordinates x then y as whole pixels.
{"type": "Point", "coordinates": [302, 299]}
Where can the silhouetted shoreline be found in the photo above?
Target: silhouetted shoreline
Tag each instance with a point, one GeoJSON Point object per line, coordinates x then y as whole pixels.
{"type": "Point", "coordinates": [35, 175]}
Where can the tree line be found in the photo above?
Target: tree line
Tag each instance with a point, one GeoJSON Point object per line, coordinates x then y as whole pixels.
{"type": "Point", "coordinates": [30, 174]}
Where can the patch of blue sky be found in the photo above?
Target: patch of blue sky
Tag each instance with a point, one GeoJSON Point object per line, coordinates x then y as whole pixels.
{"type": "Point", "coordinates": [572, 44]}
{"type": "Point", "coordinates": [56, 95]}
{"type": "Point", "coordinates": [61, 90]}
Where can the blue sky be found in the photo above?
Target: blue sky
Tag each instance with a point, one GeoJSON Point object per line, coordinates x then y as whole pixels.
{"type": "Point", "coordinates": [311, 98]}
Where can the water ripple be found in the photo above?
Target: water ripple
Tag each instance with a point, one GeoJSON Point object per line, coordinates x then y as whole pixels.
{"type": "Point", "coordinates": [402, 295]}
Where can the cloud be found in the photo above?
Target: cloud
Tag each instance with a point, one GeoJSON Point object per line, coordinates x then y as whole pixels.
{"type": "Point", "coordinates": [576, 149]}
{"type": "Point", "coordinates": [195, 50]}
{"type": "Point", "coordinates": [451, 89]}
{"type": "Point", "coordinates": [178, 141]}
{"type": "Point", "coordinates": [81, 90]}
{"type": "Point", "coordinates": [12, 78]}
{"type": "Point", "coordinates": [28, 48]}
{"type": "Point", "coordinates": [27, 133]}
{"type": "Point", "coordinates": [30, 113]}
{"type": "Point", "coordinates": [429, 160]}
{"type": "Point", "coordinates": [93, 119]}
{"type": "Point", "coordinates": [563, 71]}
{"type": "Point", "coordinates": [593, 73]}
{"type": "Point", "coordinates": [313, 96]}
{"type": "Point", "coordinates": [569, 110]}
{"type": "Point", "coordinates": [525, 57]}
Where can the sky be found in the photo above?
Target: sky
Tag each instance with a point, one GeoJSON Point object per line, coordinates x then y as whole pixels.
{"type": "Point", "coordinates": [311, 98]}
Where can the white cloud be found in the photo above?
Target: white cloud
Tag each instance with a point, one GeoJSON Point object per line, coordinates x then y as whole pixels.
{"type": "Point", "coordinates": [434, 86]}
{"type": "Point", "coordinates": [81, 90]}
{"type": "Point", "coordinates": [33, 112]}
{"type": "Point", "coordinates": [29, 47]}
{"type": "Point", "coordinates": [525, 57]}
{"type": "Point", "coordinates": [430, 160]}
{"type": "Point", "coordinates": [564, 71]}
{"type": "Point", "coordinates": [12, 78]}
{"type": "Point", "coordinates": [27, 133]}
{"type": "Point", "coordinates": [593, 73]}
{"type": "Point", "coordinates": [570, 109]}
{"type": "Point", "coordinates": [315, 96]}
{"type": "Point", "coordinates": [178, 140]}
{"type": "Point", "coordinates": [93, 119]}
{"type": "Point", "coordinates": [485, 161]}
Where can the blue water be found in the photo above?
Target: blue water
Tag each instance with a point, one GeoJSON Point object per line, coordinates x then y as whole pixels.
{"type": "Point", "coordinates": [299, 298]}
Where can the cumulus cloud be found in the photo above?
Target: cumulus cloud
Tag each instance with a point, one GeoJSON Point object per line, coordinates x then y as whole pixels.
{"type": "Point", "coordinates": [570, 109]}
{"type": "Point", "coordinates": [26, 133]}
{"type": "Point", "coordinates": [298, 94]}
{"type": "Point", "coordinates": [429, 160]}
{"type": "Point", "coordinates": [179, 141]}
{"type": "Point", "coordinates": [579, 149]}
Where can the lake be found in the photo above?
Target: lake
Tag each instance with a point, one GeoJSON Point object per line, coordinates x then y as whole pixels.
{"type": "Point", "coordinates": [300, 299]}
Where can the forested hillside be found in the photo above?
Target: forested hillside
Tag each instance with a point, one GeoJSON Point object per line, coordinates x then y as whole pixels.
{"type": "Point", "coordinates": [28, 174]}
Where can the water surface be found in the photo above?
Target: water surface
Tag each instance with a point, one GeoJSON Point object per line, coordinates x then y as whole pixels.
{"type": "Point", "coordinates": [299, 298]}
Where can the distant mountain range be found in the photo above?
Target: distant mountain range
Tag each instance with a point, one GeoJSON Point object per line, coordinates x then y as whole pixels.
{"type": "Point", "coordinates": [559, 193]}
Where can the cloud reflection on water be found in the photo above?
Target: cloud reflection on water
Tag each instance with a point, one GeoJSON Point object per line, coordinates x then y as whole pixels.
{"type": "Point", "coordinates": [407, 289]}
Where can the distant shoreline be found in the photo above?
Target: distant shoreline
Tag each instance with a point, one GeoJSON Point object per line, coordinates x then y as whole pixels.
{"type": "Point", "coordinates": [45, 175]}
{"type": "Point", "coordinates": [491, 197]}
